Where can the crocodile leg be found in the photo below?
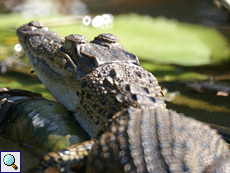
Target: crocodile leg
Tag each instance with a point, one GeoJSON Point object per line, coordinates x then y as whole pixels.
{"type": "Point", "coordinates": [69, 158]}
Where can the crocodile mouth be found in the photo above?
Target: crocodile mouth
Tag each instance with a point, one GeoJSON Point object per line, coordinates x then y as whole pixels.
{"type": "Point", "coordinates": [33, 58]}
{"type": "Point", "coordinates": [37, 63]}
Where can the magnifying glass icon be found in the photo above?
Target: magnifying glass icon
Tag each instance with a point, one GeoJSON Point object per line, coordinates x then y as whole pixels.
{"type": "Point", "coordinates": [9, 160]}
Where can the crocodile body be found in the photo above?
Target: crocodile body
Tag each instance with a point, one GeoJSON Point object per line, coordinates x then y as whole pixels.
{"type": "Point", "coordinates": [36, 122]}
{"type": "Point", "coordinates": [119, 104]}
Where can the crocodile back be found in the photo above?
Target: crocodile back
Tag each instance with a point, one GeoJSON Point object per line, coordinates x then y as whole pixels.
{"type": "Point", "coordinates": [157, 140]}
{"type": "Point", "coordinates": [111, 88]}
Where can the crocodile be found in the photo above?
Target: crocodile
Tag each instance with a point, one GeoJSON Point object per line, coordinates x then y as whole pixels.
{"type": "Point", "coordinates": [119, 104]}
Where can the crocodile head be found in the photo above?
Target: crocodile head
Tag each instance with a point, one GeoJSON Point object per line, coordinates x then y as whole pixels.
{"type": "Point", "coordinates": [93, 79]}
{"type": "Point", "coordinates": [54, 68]}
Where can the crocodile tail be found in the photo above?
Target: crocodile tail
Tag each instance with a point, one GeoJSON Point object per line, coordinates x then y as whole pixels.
{"type": "Point", "coordinates": [155, 139]}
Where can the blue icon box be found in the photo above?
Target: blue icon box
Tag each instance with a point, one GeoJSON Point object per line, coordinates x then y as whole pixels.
{"type": "Point", "coordinates": [10, 161]}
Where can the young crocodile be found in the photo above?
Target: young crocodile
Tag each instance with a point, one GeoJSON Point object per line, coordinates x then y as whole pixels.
{"type": "Point", "coordinates": [120, 106]}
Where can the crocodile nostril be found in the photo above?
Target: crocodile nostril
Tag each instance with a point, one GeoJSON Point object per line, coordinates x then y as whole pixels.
{"type": "Point", "coordinates": [36, 24]}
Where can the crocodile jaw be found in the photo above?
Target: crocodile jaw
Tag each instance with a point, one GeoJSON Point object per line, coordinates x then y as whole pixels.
{"type": "Point", "coordinates": [63, 92]}
{"type": "Point", "coordinates": [58, 82]}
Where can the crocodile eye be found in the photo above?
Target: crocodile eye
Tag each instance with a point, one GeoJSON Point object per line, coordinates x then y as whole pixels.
{"type": "Point", "coordinates": [109, 38]}
{"type": "Point", "coordinates": [76, 38]}
{"type": "Point", "coordinates": [68, 44]}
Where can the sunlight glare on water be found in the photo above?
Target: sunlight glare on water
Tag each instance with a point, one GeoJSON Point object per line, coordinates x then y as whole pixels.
{"type": "Point", "coordinates": [18, 48]}
{"type": "Point", "coordinates": [86, 20]}
{"type": "Point", "coordinates": [104, 21]}
{"type": "Point", "coordinates": [14, 59]}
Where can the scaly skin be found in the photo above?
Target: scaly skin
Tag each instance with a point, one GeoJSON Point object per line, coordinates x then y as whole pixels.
{"type": "Point", "coordinates": [120, 105]}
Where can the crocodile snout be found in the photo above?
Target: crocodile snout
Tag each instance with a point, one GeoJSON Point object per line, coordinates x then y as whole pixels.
{"type": "Point", "coordinates": [30, 28]}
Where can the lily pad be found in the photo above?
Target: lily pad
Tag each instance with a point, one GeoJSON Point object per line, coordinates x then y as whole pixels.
{"type": "Point", "coordinates": [160, 40]}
